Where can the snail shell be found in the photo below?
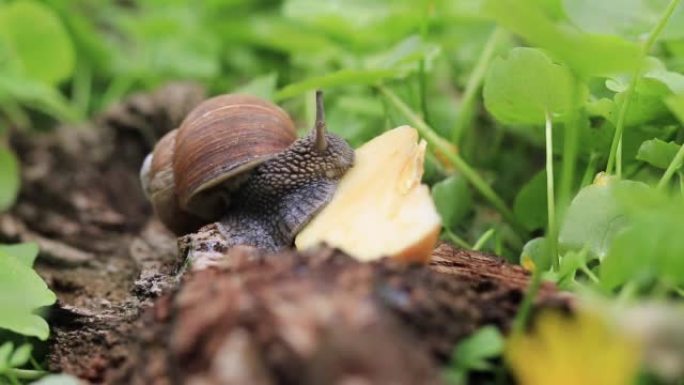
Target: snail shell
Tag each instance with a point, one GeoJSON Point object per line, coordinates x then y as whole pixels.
{"type": "Point", "coordinates": [158, 183]}
{"type": "Point", "coordinates": [193, 170]}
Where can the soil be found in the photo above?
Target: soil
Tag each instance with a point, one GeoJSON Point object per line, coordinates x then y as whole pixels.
{"type": "Point", "coordinates": [124, 315]}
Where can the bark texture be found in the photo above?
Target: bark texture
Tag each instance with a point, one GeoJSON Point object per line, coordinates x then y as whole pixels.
{"type": "Point", "coordinates": [324, 318]}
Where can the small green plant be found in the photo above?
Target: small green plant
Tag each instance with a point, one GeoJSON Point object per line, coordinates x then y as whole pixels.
{"type": "Point", "coordinates": [22, 291]}
{"type": "Point", "coordinates": [9, 178]}
{"type": "Point", "coordinates": [11, 360]}
{"type": "Point", "coordinates": [22, 294]}
{"type": "Point", "coordinates": [475, 354]}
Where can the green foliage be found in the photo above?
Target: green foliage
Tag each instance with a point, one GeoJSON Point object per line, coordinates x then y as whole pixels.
{"type": "Point", "coordinates": [650, 248]}
{"type": "Point", "coordinates": [12, 359]}
{"type": "Point", "coordinates": [36, 55]}
{"type": "Point", "coordinates": [676, 104]}
{"type": "Point", "coordinates": [584, 53]}
{"type": "Point", "coordinates": [22, 292]}
{"type": "Point", "coordinates": [658, 153]}
{"type": "Point", "coordinates": [571, 263]}
{"type": "Point", "coordinates": [36, 95]}
{"type": "Point", "coordinates": [535, 254]}
{"type": "Point", "coordinates": [530, 203]}
{"type": "Point", "coordinates": [475, 353]}
{"type": "Point", "coordinates": [594, 217]}
{"type": "Point", "coordinates": [453, 200]}
{"type": "Point", "coordinates": [650, 95]}
{"type": "Point", "coordinates": [34, 35]}
{"type": "Point", "coordinates": [634, 17]}
{"type": "Point", "coordinates": [627, 18]}
{"type": "Point", "coordinates": [9, 178]}
{"type": "Point", "coordinates": [526, 86]}
{"type": "Point", "coordinates": [25, 253]}
{"type": "Point", "coordinates": [337, 79]}
{"type": "Point", "coordinates": [263, 86]}
{"type": "Point", "coordinates": [170, 41]}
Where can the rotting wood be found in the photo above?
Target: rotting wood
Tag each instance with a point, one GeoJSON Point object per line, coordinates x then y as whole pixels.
{"type": "Point", "coordinates": [324, 318]}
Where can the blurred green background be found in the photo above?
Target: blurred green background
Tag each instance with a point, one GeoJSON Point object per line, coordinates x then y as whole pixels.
{"type": "Point", "coordinates": [70, 59]}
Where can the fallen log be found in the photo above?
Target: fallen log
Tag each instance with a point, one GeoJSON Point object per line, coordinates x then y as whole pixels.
{"type": "Point", "coordinates": [323, 318]}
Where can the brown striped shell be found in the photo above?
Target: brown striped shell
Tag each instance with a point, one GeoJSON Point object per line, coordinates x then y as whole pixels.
{"type": "Point", "coordinates": [218, 142]}
{"type": "Point", "coordinates": [158, 182]}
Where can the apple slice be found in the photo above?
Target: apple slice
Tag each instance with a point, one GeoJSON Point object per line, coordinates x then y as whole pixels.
{"type": "Point", "coordinates": [380, 207]}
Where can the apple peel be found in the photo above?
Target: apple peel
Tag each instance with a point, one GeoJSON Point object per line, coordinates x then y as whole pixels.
{"type": "Point", "coordinates": [380, 207]}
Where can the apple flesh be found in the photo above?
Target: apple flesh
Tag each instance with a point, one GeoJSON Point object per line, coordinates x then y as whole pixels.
{"type": "Point", "coordinates": [380, 207]}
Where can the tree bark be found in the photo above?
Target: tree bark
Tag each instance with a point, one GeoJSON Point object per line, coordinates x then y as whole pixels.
{"type": "Point", "coordinates": [123, 316]}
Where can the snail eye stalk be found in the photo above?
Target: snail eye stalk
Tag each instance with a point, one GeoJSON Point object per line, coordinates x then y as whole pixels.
{"type": "Point", "coordinates": [320, 141]}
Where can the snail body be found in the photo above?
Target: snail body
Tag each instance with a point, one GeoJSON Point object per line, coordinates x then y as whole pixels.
{"type": "Point", "coordinates": [236, 161]}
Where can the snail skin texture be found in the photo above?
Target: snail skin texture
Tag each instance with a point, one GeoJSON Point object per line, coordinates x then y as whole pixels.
{"type": "Point", "coordinates": [283, 194]}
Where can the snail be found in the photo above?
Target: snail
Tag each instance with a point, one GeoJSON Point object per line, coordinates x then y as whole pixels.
{"type": "Point", "coordinates": [235, 162]}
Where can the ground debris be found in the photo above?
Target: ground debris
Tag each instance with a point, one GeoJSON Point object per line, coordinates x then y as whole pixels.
{"type": "Point", "coordinates": [324, 318]}
{"type": "Point", "coordinates": [81, 201]}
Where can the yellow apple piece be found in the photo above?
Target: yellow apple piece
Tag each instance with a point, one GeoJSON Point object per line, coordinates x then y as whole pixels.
{"type": "Point", "coordinates": [380, 207]}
